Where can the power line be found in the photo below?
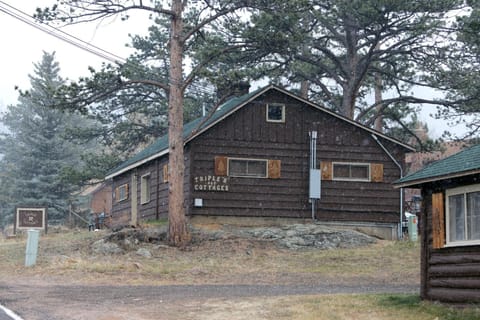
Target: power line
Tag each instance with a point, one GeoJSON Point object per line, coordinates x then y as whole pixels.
{"type": "Point", "coordinates": [60, 34]}
{"type": "Point", "coordinates": [77, 42]}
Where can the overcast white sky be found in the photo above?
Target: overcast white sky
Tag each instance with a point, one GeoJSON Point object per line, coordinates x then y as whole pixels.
{"type": "Point", "coordinates": [22, 46]}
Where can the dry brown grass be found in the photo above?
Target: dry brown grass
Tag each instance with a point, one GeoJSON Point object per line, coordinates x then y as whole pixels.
{"type": "Point", "coordinates": [226, 261]}
{"type": "Point", "coordinates": [68, 257]}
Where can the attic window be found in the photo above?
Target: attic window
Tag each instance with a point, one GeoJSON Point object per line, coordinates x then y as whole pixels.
{"type": "Point", "coordinates": [275, 112]}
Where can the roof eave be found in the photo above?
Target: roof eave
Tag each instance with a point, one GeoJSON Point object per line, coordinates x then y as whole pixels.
{"type": "Point", "coordinates": [136, 164]}
{"type": "Point", "coordinates": [239, 106]}
{"type": "Point", "coordinates": [419, 182]}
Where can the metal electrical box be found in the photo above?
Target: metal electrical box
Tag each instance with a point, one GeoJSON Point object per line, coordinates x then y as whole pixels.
{"type": "Point", "coordinates": [315, 184]}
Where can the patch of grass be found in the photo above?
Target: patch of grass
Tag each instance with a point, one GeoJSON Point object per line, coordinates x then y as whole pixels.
{"type": "Point", "coordinates": [363, 307]}
{"type": "Point", "coordinates": [156, 223]}
{"type": "Point", "coordinates": [390, 260]}
{"type": "Point", "coordinates": [439, 311]}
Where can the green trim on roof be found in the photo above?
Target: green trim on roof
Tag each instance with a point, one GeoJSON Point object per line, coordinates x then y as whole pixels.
{"type": "Point", "coordinates": [161, 144]}
{"type": "Point", "coordinates": [192, 129]}
{"type": "Point", "coordinates": [465, 161]}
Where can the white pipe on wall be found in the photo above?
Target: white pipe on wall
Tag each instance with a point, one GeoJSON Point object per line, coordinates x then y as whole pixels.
{"type": "Point", "coordinates": [400, 233]}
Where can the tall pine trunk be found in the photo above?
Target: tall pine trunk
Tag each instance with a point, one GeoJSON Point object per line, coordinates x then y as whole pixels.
{"type": "Point", "coordinates": [378, 99]}
{"type": "Point", "coordinates": [178, 232]}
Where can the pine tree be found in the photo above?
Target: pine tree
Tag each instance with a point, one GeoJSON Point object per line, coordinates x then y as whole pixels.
{"type": "Point", "coordinates": [35, 147]}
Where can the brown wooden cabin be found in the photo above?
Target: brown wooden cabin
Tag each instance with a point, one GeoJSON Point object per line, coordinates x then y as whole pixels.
{"type": "Point", "coordinates": [450, 227]}
{"type": "Point", "coordinates": [250, 159]}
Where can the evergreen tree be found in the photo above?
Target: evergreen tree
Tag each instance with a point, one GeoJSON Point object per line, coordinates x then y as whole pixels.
{"type": "Point", "coordinates": [460, 73]}
{"type": "Point", "coordinates": [35, 148]}
{"type": "Point", "coordinates": [185, 23]}
{"type": "Point", "coordinates": [342, 48]}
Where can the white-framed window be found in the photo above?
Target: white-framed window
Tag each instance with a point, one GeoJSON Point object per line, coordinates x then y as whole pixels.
{"type": "Point", "coordinates": [463, 215]}
{"type": "Point", "coordinates": [248, 168]}
{"type": "Point", "coordinates": [275, 112]}
{"type": "Point", "coordinates": [121, 192]}
{"type": "Point", "coordinates": [145, 189]}
{"type": "Point", "coordinates": [347, 171]}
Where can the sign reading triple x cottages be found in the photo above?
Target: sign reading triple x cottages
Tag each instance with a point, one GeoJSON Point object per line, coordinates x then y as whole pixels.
{"type": "Point", "coordinates": [30, 218]}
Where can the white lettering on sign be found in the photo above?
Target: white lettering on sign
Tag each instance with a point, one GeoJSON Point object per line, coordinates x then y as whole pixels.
{"type": "Point", "coordinates": [210, 183]}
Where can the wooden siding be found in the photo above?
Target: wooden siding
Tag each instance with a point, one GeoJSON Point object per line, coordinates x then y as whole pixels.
{"type": "Point", "coordinates": [448, 274]}
{"type": "Point", "coordinates": [246, 134]}
{"type": "Point", "coordinates": [157, 207]}
{"type": "Point", "coordinates": [121, 209]}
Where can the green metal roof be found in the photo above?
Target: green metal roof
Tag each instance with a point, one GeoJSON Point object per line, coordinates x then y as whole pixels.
{"type": "Point", "coordinates": [160, 146]}
{"type": "Point", "coordinates": [460, 164]}
{"type": "Point", "coordinates": [192, 129]}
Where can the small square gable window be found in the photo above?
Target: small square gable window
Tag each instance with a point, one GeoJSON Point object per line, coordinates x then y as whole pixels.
{"type": "Point", "coordinates": [275, 113]}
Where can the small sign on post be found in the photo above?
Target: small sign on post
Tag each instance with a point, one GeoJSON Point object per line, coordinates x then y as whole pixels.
{"type": "Point", "coordinates": [30, 218]}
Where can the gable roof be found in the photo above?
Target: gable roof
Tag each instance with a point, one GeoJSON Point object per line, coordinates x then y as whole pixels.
{"type": "Point", "coordinates": [461, 164]}
{"type": "Point", "coordinates": [193, 129]}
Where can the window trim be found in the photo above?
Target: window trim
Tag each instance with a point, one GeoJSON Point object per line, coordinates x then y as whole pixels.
{"type": "Point", "coordinates": [125, 193]}
{"type": "Point", "coordinates": [145, 190]}
{"type": "Point", "coordinates": [246, 176]}
{"type": "Point", "coordinates": [275, 105]}
{"type": "Point", "coordinates": [452, 192]}
{"type": "Point", "coordinates": [363, 164]}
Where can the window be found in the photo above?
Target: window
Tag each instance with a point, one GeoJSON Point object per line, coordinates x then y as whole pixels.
{"type": "Point", "coordinates": [121, 192]}
{"type": "Point", "coordinates": [247, 168]}
{"type": "Point", "coordinates": [351, 171]}
{"type": "Point", "coordinates": [145, 189]}
{"type": "Point", "coordinates": [463, 215]}
{"type": "Point", "coordinates": [238, 167]}
{"type": "Point", "coordinates": [275, 113]}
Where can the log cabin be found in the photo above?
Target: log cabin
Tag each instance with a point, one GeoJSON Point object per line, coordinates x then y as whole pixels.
{"type": "Point", "coordinates": [269, 155]}
{"type": "Point", "coordinates": [449, 227]}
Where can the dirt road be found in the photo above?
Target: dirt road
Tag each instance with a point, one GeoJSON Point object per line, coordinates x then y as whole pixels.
{"type": "Point", "coordinates": [44, 301]}
{"type": "Point", "coordinates": [219, 276]}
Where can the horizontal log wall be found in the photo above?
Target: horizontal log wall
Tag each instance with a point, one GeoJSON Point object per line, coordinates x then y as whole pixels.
{"type": "Point", "coordinates": [449, 274]}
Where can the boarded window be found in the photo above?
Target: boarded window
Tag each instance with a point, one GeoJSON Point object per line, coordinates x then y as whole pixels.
{"type": "Point", "coordinates": [121, 193]}
{"type": "Point", "coordinates": [145, 189]}
{"type": "Point", "coordinates": [438, 221]}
